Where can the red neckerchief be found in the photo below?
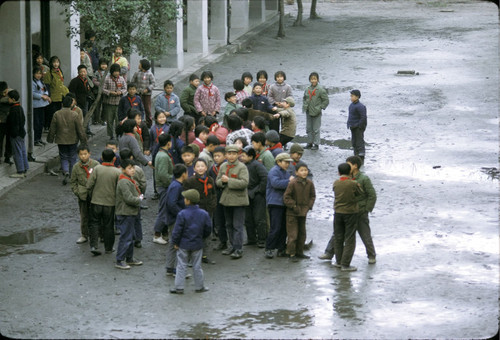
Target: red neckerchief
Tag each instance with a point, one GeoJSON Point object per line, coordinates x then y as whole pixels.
{"type": "Point", "coordinates": [158, 132]}
{"type": "Point", "coordinates": [169, 155]}
{"type": "Point", "coordinates": [344, 178]}
{"type": "Point", "coordinates": [108, 164]}
{"type": "Point", "coordinates": [229, 167]}
{"type": "Point", "coordinates": [85, 83]}
{"type": "Point", "coordinates": [257, 130]}
{"type": "Point", "coordinates": [86, 168]}
{"type": "Point", "coordinates": [131, 101]}
{"type": "Point", "coordinates": [258, 154]}
{"type": "Point", "coordinates": [116, 59]}
{"type": "Point", "coordinates": [294, 163]}
{"type": "Point", "coordinates": [205, 185]}
{"type": "Point", "coordinates": [139, 131]}
{"type": "Point", "coordinates": [215, 169]}
{"type": "Point", "coordinates": [118, 85]}
{"type": "Point", "coordinates": [277, 145]}
{"type": "Point", "coordinates": [122, 176]}
{"type": "Point", "coordinates": [311, 94]}
{"type": "Point", "coordinates": [214, 127]}
{"type": "Point", "coordinates": [16, 104]}
{"type": "Point", "coordinates": [210, 94]}
{"type": "Point", "coordinates": [58, 72]}
{"type": "Point", "coordinates": [264, 92]}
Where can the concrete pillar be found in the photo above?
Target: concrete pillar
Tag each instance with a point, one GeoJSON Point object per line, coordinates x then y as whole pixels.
{"type": "Point", "coordinates": [272, 5]}
{"type": "Point", "coordinates": [175, 59]}
{"type": "Point", "coordinates": [197, 32]}
{"type": "Point", "coordinates": [257, 12]}
{"type": "Point", "coordinates": [239, 14]}
{"type": "Point", "coordinates": [218, 20]}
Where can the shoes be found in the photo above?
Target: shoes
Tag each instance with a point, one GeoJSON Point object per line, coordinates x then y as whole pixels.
{"type": "Point", "coordinates": [138, 244]}
{"type": "Point", "coordinates": [90, 133]}
{"type": "Point", "coordinates": [38, 143]}
{"type": "Point", "coordinates": [325, 256]}
{"type": "Point", "coordinates": [144, 207]}
{"type": "Point", "coordinates": [109, 251]}
{"type": "Point", "coordinates": [31, 158]}
{"type": "Point", "coordinates": [294, 258]}
{"type": "Point", "coordinates": [121, 265]}
{"type": "Point", "coordinates": [372, 260]}
{"type": "Point", "coordinates": [337, 265]}
{"type": "Point", "coordinates": [348, 269]}
{"type": "Point", "coordinates": [159, 240]}
{"type": "Point", "coordinates": [261, 244]}
{"type": "Point", "coordinates": [95, 251]}
{"type": "Point", "coordinates": [176, 291]}
{"type": "Point", "coordinates": [237, 254]}
{"type": "Point", "coordinates": [17, 175]}
{"type": "Point", "coordinates": [46, 130]}
{"type": "Point", "coordinates": [315, 147]}
{"type": "Point", "coordinates": [303, 256]}
{"type": "Point", "coordinates": [170, 271]}
{"type": "Point", "coordinates": [81, 240]}
{"type": "Point", "coordinates": [282, 253]}
{"type": "Point", "coordinates": [308, 146]}
{"type": "Point", "coordinates": [228, 251]}
{"type": "Point", "coordinates": [205, 259]}
{"type": "Point", "coordinates": [66, 178]}
{"type": "Point", "coordinates": [156, 196]}
{"type": "Point", "coordinates": [269, 254]}
{"type": "Point", "coordinates": [202, 290]}
{"type": "Point", "coordinates": [308, 245]}
{"type": "Point", "coordinates": [221, 246]}
{"type": "Point", "coordinates": [134, 262]}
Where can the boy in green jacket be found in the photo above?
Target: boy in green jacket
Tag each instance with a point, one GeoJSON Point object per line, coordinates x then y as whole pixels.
{"type": "Point", "coordinates": [315, 100]}
{"type": "Point", "coordinates": [164, 168]}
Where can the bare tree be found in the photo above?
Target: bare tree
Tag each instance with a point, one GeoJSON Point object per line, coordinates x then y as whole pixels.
{"type": "Point", "coordinates": [313, 14]}
{"type": "Point", "coordinates": [281, 30]}
{"type": "Point", "coordinates": [298, 21]}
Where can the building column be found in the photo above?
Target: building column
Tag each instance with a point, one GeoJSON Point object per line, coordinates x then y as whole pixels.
{"type": "Point", "coordinates": [218, 20]}
{"type": "Point", "coordinates": [239, 14]}
{"type": "Point", "coordinates": [197, 30]}
{"type": "Point", "coordinates": [257, 12]}
{"type": "Point", "coordinates": [180, 36]}
{"type": "Point", "coordinates": [271, 5]}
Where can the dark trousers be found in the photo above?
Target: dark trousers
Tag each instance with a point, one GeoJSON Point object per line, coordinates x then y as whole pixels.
{"type": "Point", "coordinates": [96, 116]}
{"type": "Point", "coordinates": [4, 135]}
{"type": "Point", "coordinates": [19, 152]}
{"type": "Point", "coordinates": [102, 218]}
{"type": "Point", "coordinates": [138, 228]}
{"type": "Point", "coordinates": [161, 225]}
{"type": "Point", "coordinates": [38, 121]}
{"type": "Point", "coordinates": [126, 225]}
{"type": "Point", "coordinates": [365, 234]}
{"type": "Point", "coordinates": [49, 112]}
{"type": "Point", "coordinates": [68, 156]}
{"type": "Point", "coordinates": [220, 223]}
{"type": "Point", "coordinates": [84, 207]}
{"type": "Point", "coordinates": [296, 234]}
{"type": "Point", "coordinates": [358, 141]}
{"type": "Point", "coordinates": [284, 140]}
{"type": "Point", "coordinates": [276, 239]}
{"type": "Point", "coordinates": [344, 226]}
{"type": "Point", "coordinates": [146, 101]}
{"type": "Point", "coordinates": [235, 222]}
{"type": "Point", "coordinates": [274, 125]}
{"type": "Point", "coordinates": [330, 247]}
{"type": "Point", "coordinates": [256, 219]}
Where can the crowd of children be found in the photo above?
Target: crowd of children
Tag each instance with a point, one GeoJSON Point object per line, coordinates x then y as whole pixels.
{"type": "Point", "coordinates": [217, 173]}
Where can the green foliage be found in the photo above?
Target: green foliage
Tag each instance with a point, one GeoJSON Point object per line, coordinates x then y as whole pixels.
{"type": "Point", "coordinates": [137, 25]}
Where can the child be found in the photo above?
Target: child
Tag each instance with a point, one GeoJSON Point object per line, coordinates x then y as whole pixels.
{"type": "Point", "coordinates": [4, 132]}
{"type": "Point", "coordinates": [101, 186]}
{"type": "Point", "coordinates": [259, 102]}
{"type": "Point", "coordinates": [145, 81]}
{"type": "Point", "coordinates": [41, 100]}
{"type": "Point", "coordinates": [187, 97]}
{"type": "Point", "coordinates": [345, 218]}
{"type": "Point", "coordinates": [262, 79]}
{"type": "Point", "coordinates": [174, 204]}
{"type": "Point", "coordinates": [16, 132]}
{"type": "Point", "coordinates": [207, 96]}
{"type": "Point", "coordinates": [205, 185]}
{"type": "Point", "coordinates": [188, 157]}
{"type": "Point", "coordinates": [277, 94]}
{"type": "Point", "coordinates": [97, 117]}
{"type": "Point", "coordinates": [277, 182]}
{"type": "Point", "coordinates": [168, 102]}
{"type": "Point", "coordinates": [315, 100]}
{"type": "Point", "coordinates": [129, 141]}
{"type": "Point", "coordinates": [141, 132]}
{"type": "Point", "coordinates": [239, 91]}
{"type": "Point", "coordinates": [219, 155]}
{"type": "Point", "coordinates": [160, 127]}
{"type": "Point", "coordinates": [288, 122]}
{"type": "Point", "coordinates": [241, 142]}
{"type": "Point", "coordinates": [263, 155]}
{"type": "Point", "coordinates": [252, 113]}
{"type": "Point", "coordinates": [54, 79]}
{"type": "Point", "coordinates": [357, 123]}
{"type": "Point", "coordinates": [217, 130]}
{"type": "Point", "coordinates": [207, 153]}
{"type": "Point", "coordinates": [232, 104]}
{"type": "Point", "coordinates": [175, 131]}
{"type": "Point", "coordinates": [273, 142]}
{"type": "Point", "coordinates": [188, 135]}
{"type": "Point", "coordinates": [130, 101]}
{"type": "Point", "coordinates": [247, 79]}
{"type": "Point", "coordinates": [233, 179]}
{"type": "Point", "coordinates": [79, 178]}
{"type": "Point", "coordinates": [296, 152]}
{"type": "Point", "coordinates": [111, 144]}
{"type": "Point", "coordinates": [119, 59]}
{"type": "Point", "coordinates": [38, 60]}
{"type": "Point", "coordinates": [163, 178]}
{"type": "Point", "coordinates": [201, 133]}
{"type": "Point", "coordinates": [234, 125]}
{"type": "Point", "coordinates": [192, 225]}
{"type": "Point", "coordinates": [258, 124]}
{"type": "Point", "coordinates": [299, 198]}
{"type": "Point", "coordinates": [128, 202]}
{"type": "Point", "coordinates": [113, 88]}
{"type": "Point", "coordinates": [255, 213]}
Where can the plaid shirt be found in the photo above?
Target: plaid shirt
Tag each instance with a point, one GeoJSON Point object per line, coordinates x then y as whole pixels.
{"type": "Point", "coordinates": [207, 99]}
{"type": "Point", "coordinates": [245, 133]}
{"type": "Point", "coordinates": [113, 85]}
{"type": "Point", "coordinates": [240, 95]}
{"type": "Point", "coordinates": [144, 80]}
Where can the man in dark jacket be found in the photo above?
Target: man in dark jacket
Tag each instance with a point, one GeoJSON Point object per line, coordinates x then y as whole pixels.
{"type": "Point", "coordinates": [16, 132]}
{"type": "Point", "coordinates": [357, 123]}
{"type": "Point", "coordinates": [81, 87]}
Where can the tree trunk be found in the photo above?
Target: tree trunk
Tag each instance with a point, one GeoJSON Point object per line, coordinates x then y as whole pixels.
{"type": "Point", "coordinates": [298, 21]}
{"type": "Point", "coordinates": [97, 100]}
{"type": "Point", "coordinates": [281, 30]}
{"type": "Point", "coordinates": [313, 15]}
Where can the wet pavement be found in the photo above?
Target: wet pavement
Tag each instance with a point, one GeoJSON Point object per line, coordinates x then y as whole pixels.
{"type": "Point", "coordinates": [432, 155]}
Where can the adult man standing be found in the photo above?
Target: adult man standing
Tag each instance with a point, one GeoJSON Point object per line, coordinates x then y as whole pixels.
{"type": "Point", "coordinates": [357, 123]}
{"type": "Point", "coordinates": [81, 87]}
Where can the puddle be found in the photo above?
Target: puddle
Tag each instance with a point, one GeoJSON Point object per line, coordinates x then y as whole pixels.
{"type": "Point", "coordinates": [344, 144]}
{"type": "Point", "coordinates": [28, 237]}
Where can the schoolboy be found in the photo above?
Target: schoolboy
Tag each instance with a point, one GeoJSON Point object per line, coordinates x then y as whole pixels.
{"type": "Point", "coordinates": [288, 121]}
{"type": "Point", "coordinates": [235, 126]}
{"type": "Point", "coordinates": [130, 101]}
{"type": "Point", "coordinates": [207, 96]}
{"type": "Point", "coordinates": [145, 81]}
{"type": "Point", "coordinates": [345, 218]}
{"type": "Point", "coordinates": [16, 133]}
{"type": "Point", "coordinates": [277, 182]}
{"type": "Point", "coordinates": [247, 79]}
{"type": "Point", "coordinates": [168, 103]}
{"type": "Point", "coordinates": [239, 91]}
{"type": "Point", "coordinates": [299, 198]}
{"type": "Point", "coordinates": [113, 145]}
{"type": "Point", "coordinates": [128, 202]}
{"type": "Point", "coordinates": [356, 122]}
{"type": "Point", "coordinates": [201, 134]}
{"type": "Point", "coordinates": [233, 179]}
{"type": "Point", "coordinates": [255, 212]}
{"type": "Point", "coordinates": [260, 102]}
{"type": "Point", "coordinates": [101, 185]}
{"type": "Point", "coordinates": [188, 156]}
{"type": "Point", "coordinates": [114, 88]}
{"type": "Point", "coordinates": [174, 205]}
{"type": "Point", "coordinates": [192, 225]}
{"type": "Point", "coordinates": [277, 94]}
{"type": "Point", "coordinates": [207, 153]}
{"type": "Point", "coordinates": [258, 124]}
{"type": "Point", "coordinates": [231, 105]}
{"type": "Point", "coordinates": [163, 177]}
{"type": "Point", "coordinates": [4, 112]}
{"type": "Point", "coordinates": [315, 100]}
{"type": "Point", "coordinates": [273, 143]}
{"type": "Point", "coordinates": [219, 155]}
{"type": "Point", "coordinates": [187, 97]}
{"type": "Point", "coordinates": [263, 155]}
{"type": "Point", "coordinates": [79, 178]}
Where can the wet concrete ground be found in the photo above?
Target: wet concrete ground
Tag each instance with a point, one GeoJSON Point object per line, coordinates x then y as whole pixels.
{"type": "Point", "coordinates": [435, 225]}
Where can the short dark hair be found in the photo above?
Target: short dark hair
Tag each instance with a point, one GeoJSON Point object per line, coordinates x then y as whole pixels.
{"type": "Point", "coordinates": [238, 84]}
{"type": "Point", "coordinates": [13, 94]}
{"type": "Point", "coordinates": [213, 140]}
{"type": "Point", "coordinates": [280, 73]}
{"type": "Point", "coordinates": [234, 122]}
{"type": "Point", "coordinates": [344, 169]}
{"type": "Point", "coordinates": [314, 74]}
{"type": "Point", "coordinates": [107, 155]}
{"type": "Point", "coordinates": [199, 129]}
{"type": "Point", "coordinates": [67, 101]}
{"type": "Point", "coordinates": [128, 126]}
{"type": "Point", "coordinates": [126, 154]}
{"type": "Point", "coordinates": [112, 142]}
{"type": "Point", "coordinates": [103, 61]}
{"type": "Point", "coordinates": [129, 85]}
{"type": "Point", "coordinates": [260, 122]}
{"type": "Point", "coordinates": [126, 162]}
{"type": "Point", "coordinates": [209, 120]}
{"type": "Point", "coordinates": [114, 68]}
{"type": "Point", "coordinates": [167, 82]}
{"type": "Point", "coordinates": [242, 112]}
{"type": "Point", "coordinates": [193, 76]}
{"type": "Point", "coordinates": [80, 67]}
{"type": "Point", "coordinates": [300, 164]}
{"type": "Point", "coordinates": [132, 113]}
{"type": "Point", "coordinates": [179, 170]}
{"type": "Point", "coordinates": [262, 73]}
{"type": "Point", "coordinates": [355, 160]}
{"type": "Point", "coordinates": [164, 138]}
{"type": "Point", "coordinates": [247, 102]}
{"type": "Point", "coordinates": [82, 147]}
{"type": "Point", "coordinates": [257, 84]}
{"type": "Point", "coordinates": [220, 149]}
{"type": "Point", "coordinates": [201, 160]}
{"type": "Point", "coordinates": [89, 34]}
{"type": "Point", "coordinates": [187, 149]}
{"type": "Point", "coordinates": [36, 69]}
{"type": "Point", "coordinates": [145, 64]}
{"type": "Point", "coordinates": [229, 95]}
{"type": "Point", "coordinates": [246, 75]}
{"type": "Point", "coordinates": [243, 141]}
{"type": "Point", "coordinates": [250, 152]}
{"type": "Point", "coordinates": [206, 74]}
{"type": "Point", "coordinates": [259, 137]}
{"type": "Point", "coordinates": [3, 86]}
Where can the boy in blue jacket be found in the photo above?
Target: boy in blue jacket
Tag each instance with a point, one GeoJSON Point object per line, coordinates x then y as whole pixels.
{"type": "Point", "coordinates": [193, 224]}
{"type": "Point", "coordinates": [277, 182]}
{"type": "Point", "coordinates": [168, 103]}
{"type": "Point", "coordinates": [356, 122]}
{"type": "Point", "coordinates": [130, 101]}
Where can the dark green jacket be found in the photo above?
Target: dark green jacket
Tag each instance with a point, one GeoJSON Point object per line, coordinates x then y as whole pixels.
{"type": "Point", "coordinates": [127, 197]}
{"type": "Point", "coordinates": [187, 100]}
{"type": "Point", "coordinates": [366, 201]}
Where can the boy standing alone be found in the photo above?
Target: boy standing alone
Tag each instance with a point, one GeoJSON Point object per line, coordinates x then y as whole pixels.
{"type": "Point", "coordinates": [356, 122]}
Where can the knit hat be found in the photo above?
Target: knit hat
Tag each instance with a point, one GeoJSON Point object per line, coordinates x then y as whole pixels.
{"type": "Point", "coordinates": [296, 148]}
{"type": "Point", "coordinates": [290, 101]}
{"type": "Point", "coordinates": [272, 136]}
{"type": "Point", "coordinates": [357, 93]}
{"type": "Point", "coordinates": [192, 195]}
{"type": "Point", "coordinates": [232, 148]}
{"type": "Point", "coordinates": [284, 156]}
